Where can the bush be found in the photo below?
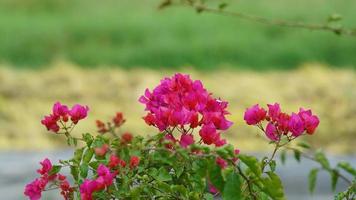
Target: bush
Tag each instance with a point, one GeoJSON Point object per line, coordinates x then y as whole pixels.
{"type": "Point", "coordinates": [186, 159]}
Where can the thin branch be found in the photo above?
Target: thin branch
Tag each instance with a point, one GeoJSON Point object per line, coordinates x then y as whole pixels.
{"type": "Point", "coordinates": [249, 186]}
{"type": "Point", "coordinates": [262, 20]}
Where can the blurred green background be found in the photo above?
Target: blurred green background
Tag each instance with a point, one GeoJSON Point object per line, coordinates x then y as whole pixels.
{"type": "Point", "coordinates": [105, 53]}
{"type": "Point", "coordinates": [130, 33]}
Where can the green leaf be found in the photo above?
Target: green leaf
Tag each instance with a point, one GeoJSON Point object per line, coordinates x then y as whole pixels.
{"type": "Point", "coordinates": [312, 179]}
{"type": "Point", "coordinates": [88, 139]}
{"type": "Point", "coordinates": [334, 177]}
{"type": "Point", "coordinates": [222, 6]}
{"type": "Point", "coordinates": [272, 165]}
{"type": "Point", "coordinates": [216, 177]}
{"type": "Point", "coordinates": [88, 155]}
{"type": "Point", "coordinates": [283, 156]}
{"type": "Point", "coordinates": [78, 155]}
{"type": "Point", "coordinates": [320, 157]}
{"type": "Point", "coordinates": [208, 196]}
{"type": "Point", "coordinates": [55, 169]}
{"type": "Point", "coordinates": [252, 163]}
{"type": "Point", "coordinates": [304, 145]}
{"type": "Point", "coordinates": [84, 170]}
{"type": "Point", "coordinates": [347, 167]}
{"type": "Point", "coordinates": [232, 189]}
{"type": "Point", "coordinates": [74, 171]}
{"type": "Point", "coordinates": [273, 186]}
{"type": "Point", "coordinates": [297, 155]}
{"type": "Point", "coordinates": [163, 175]}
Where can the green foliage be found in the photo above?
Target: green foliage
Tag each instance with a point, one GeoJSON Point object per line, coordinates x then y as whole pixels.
{"type": "Point", "coordinates": [232, 189]}
{"type": "Point", "coordinates": [313, 174]}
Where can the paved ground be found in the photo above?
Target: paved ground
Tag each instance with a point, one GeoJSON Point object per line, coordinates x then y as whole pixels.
{"type": "Point", "coordinates": [18, 168]}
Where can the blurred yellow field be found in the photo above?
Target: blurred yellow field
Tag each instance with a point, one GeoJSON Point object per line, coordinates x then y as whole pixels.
{"type": "Point", "coordinates": [27, 95]}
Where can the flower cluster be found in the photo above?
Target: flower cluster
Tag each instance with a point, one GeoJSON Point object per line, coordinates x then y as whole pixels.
{"type": "Point", "coordinates": [105, 176]}
{"type": "Point", "coordinates": [280, 123]}
{"type": "Point", "coordinates": [104, 180]}
{"type": "Point", "coordinates": [34, 189]}
{"type": "Point", "coordinates": [61, 114]}
{"type": "Point", "coordinates": [179, 102]}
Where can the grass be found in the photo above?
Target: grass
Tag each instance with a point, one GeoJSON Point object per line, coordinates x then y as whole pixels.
{"type": "Point", "coordinates": [27, 95]}
{"type": "Point", "coordinates": [133, 33]}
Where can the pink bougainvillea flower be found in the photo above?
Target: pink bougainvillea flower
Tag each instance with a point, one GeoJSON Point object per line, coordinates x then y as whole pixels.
{"type": "Point", "coordinates": [221, 162]}
{"type": "Point", "coordinates": [274, 111]}
{"type": "Point", "coordinates": [271, 132]}
{"type": "Point", "coordinates": [311, 121]}
{"type": "Point", "coordinates": [134, 161]}
{"type": "Point", "coordinates": [179, 101]}
{"type": "Point", "coordinates": [212, 189]}
{"type": "Point", "coordinates": [170, 140]}
{"type": "Point", "coordinates": [50, 122]}
{"type": "Point", "coordinates": [46, 167]}
{"type": "Point", "coordinates": [254, 115]}
{"type": "Point", "coordinates": [34, 189]}
{"type": "Point", "coordinates": [106, 176]}
{"type": "Point", "coordinates": [60, 110]}
{"type": "Point", "coordinates": [220, 142]}
{"type": "Point", "coordinates": [209, 134]}
{"type": "Point", "coordinates": [296, 125]}
{"type": "Point", "coordinates": [186, 140]}
{"type": "Point", "coordinates": [116, 161]}
{"type": "Point", "coordinates": [87, 188]}
{"type": "Point", "coordinates": [78, 112]}
{"type": "Point", "coordinates": [126, 138]}
{"type": "Point", "coordinates": [101, 151]}
{"type": "Point", "coordinates": [118, 119]}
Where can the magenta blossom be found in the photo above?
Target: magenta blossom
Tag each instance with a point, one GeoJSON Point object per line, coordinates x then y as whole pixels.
{"type": "Point", "coordinates": [34, 189]}
{"type": "Point", "coordinates": [105, 176]}
{"type": "Point", "coordinates": [50, 122]}
{"type": "Point", "coordinates": [78, 112]}
{"type": "Point", "coordinates": [296, 125]}
{"type": "Point", "coordinates": [179, 101]}
{"type": "Point", "coordinates": [271, 132]}
{"type": "Point", "coordinates": [46, 167]}
{"type": "Point", "coordinates": [60, 110]}
{"type": "Point", "coordinates": [87, 188]}
{"type": "Point", "coordinates": [221, 162]}
{"type": "Point", "coordinates": [274, 111]}
{"type": "Point", "coordinates": [254, 115]}
{"type": "Point", "coordinates": [209, 134]}
{"type": "Point", "coordinates": [186, 140]}
{"type": "Point", "coordinates": [311, 121]}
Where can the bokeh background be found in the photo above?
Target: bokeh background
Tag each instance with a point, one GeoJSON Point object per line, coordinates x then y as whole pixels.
{"type": "Point", "coordinates": [105, 53]}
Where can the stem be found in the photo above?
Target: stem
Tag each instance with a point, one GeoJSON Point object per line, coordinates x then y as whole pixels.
{"type": "Point", "coordinates": [281, 23]}
{"type": "Point", "coordinates": [249, 186]}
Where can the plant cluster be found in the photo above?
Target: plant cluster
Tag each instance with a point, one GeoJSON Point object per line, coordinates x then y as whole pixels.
{"type": "Point", "coordinates": [188, 157]}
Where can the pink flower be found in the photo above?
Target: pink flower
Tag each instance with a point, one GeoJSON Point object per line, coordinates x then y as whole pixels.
{"type": "Point", "coordinates": [179, 101]}
{"type": "Point", "coordinates": [283, 122]}
{"type": "Point", "coordinates": [271, 132]}
{"type": "Point", "coordinates": [46, 167]}
{"type": "Point", "coordinates": [60, 110]}
{"type": "Point", "coordinates": [126, 138]}
{"type": "Point", "coordinates": [78, 112]}
{"type": "Point", "coordinates": [34, 189]}
{"type": "Point", "coordinates": [186, 140]}
{"type": "Point", "coordinates": [311, 121]}
{"type": "Point", "coordinates": [274, 111]}
{"type": "Point", "coordinates": [51, 123]}
{"type": "Point", "coordinates": [212, 188]}
{"type": "Point", "coordinates": [296, 125]}
{"type": "Point", "coordinates": [118, 119]}
{"type": "Point", "coordinates": [254, 115]}
{"type": "Point", "coordinates": [87, 188]}
{"type": "Point", "coordinates": [220, 142]}
{"type": "Point", "coordinates": [134, 161]}
{"type": "Point", "coordinates": [221, 162]}
{"type": "Point", "coordinates": [105, 176]}
{"type": "Point", "coordinates": [113, 161]}
{"type": "Point", "coordinates": [101, 151]}
{"type": "Point", "coordinates": [209, 134]}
